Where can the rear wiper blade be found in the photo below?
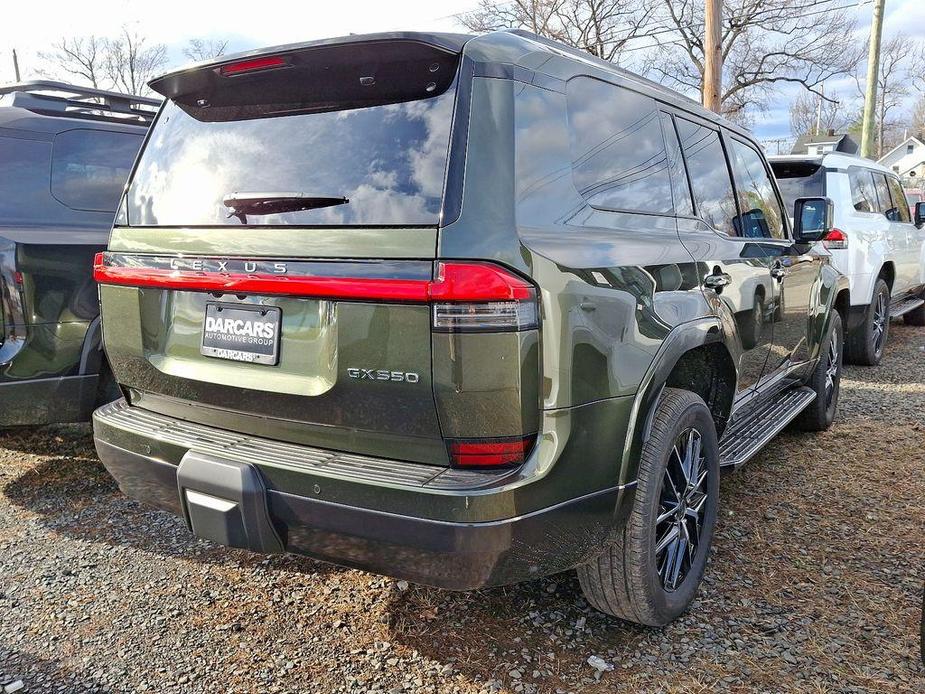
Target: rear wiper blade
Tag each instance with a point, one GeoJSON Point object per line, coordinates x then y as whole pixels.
{"type": "Point", "coordinates": [243, 204]}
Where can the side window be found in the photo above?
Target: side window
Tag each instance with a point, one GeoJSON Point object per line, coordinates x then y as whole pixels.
{"type": "Point", "coordinates": [618, 152]}
{"type": "Point", "coordinates": [24, 167]}
{"type": "Point", "coordinates": [89, 167]}
{"type": "Point", "coordinates": [900, 204]}
{"type": "Point", "coordinates": [863, 193]}
{"type": "Point", "coordinates": [885, 204]}
{"type": "Point", "coordinates": [762, 216]}
{"type": "Point", "coordinates": [680, 189]}
{"type": "Point", "coordinates": [710, 179]}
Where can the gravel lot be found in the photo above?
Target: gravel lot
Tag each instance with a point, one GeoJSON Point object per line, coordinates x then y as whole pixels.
{"type": "Point", "coordinates": [815, 585]}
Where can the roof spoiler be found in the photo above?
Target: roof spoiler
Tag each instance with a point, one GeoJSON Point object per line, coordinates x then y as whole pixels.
{"type": "Point", "coordinates": [59, 98]}
{"type": "Point", "coordinates": [332, 74]}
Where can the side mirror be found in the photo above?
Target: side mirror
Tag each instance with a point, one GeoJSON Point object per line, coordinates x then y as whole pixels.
{"type": "Point", "coordinates": [920, 214]}
{"type": "Point", "coordinates": [813, 218]}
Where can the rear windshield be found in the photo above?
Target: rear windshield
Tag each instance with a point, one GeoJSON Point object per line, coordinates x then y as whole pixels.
{"type": "Point", "coordinates": [799, 180]}
{"type": "Point", "coordinates": [387, 159]}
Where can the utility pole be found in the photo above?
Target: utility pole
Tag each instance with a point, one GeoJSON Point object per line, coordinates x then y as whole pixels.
{"type": "Point", "coordinates": [819, 111]}
{"type": "Point", "coordinates": [873, 74]}
{"type": "Point", "coordinates": [16, 66]}
{"type": "Point", "coordinates": [713, 55]}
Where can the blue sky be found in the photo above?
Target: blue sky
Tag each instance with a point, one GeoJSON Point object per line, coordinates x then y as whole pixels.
{"type": "Point", "coordinates": [249, 25]}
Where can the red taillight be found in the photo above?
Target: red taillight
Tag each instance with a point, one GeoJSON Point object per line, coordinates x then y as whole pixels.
{"type": "Point", "coordinates": [18, 278]}
{"type": "Point", "coordinates": [490, 452]}
{"type": "Point", "coordinates": [267, 62]}
{"type": "Point", "coordinates": [477, 282]}
{"type": "Point", "coordinates": [464, 296]}
{"type": "Point", "coordinates": [836, 239]}
{"type": "Point", "coordinates": [455, 282]}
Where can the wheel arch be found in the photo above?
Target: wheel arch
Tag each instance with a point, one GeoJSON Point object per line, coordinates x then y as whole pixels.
{"type": "Point", "coordinates": [888, 273]}
{"type": "Point", "coordinates": [693, 357]}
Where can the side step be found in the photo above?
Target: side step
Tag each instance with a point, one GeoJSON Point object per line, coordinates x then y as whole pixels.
{"type": "Point", "coordinates": [747, 436]}
{"type": "Point", "coordinates": [904, 306]}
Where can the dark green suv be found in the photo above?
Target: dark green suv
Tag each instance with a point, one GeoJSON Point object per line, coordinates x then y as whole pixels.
{"type": "Point", "coordinates": [65, 152]}
{"type": "Point", "coordinates": [463, 310]}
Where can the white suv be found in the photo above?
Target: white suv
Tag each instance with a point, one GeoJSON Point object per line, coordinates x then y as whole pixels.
{"type": "Point", "coordinates": [874, 242]}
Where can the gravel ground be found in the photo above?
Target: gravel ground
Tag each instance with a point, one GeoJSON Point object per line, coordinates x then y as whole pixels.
{"type": "Point", "coordinates": [815, 585]}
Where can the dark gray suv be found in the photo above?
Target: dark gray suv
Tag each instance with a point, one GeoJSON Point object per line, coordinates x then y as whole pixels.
{"type": "Point", "coordinates": [65, 153]}
{"type": "Point", "coordinates": [463, 310]}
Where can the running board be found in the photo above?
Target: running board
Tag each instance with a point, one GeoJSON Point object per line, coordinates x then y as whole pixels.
{"type": "Point", "coordinates": [747, 436]}
{"type": "Point", "coordinates": [904, 306]}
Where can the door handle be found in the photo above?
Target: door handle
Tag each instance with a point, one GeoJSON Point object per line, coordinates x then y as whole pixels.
{"type": "Point", "coordinates": [779, 273]}
{"type": "Point", "coordinates": [717, 280]}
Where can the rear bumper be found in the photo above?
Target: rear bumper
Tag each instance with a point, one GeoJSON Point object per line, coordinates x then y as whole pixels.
{"type": "Point", "coordinates": [454, 554]}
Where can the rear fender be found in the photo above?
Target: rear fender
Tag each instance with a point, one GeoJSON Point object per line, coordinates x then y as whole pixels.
{"type": "Point", "coordinates": [682, 339]}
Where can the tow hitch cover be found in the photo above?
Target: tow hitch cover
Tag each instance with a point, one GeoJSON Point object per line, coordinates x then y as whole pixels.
{"type": "Point", "coordinates": [226, 501]}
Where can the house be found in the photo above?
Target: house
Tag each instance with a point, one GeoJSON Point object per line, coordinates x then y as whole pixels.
{"type": "Point", "coordinates": [817, 145]}
{"type": "Point", "coordinates": [908, 160]}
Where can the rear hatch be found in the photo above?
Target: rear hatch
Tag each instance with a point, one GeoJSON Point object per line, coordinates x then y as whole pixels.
{"type": "Point", "coordinates": [273, 270]}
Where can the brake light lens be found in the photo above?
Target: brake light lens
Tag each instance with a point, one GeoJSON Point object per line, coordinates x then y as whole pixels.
{"type": "Point", "coordinates": [490, 453]}
{"type": "Point", "coordinates": [267, 62]}
{"type": "Point", "coordinates": [836, 239]}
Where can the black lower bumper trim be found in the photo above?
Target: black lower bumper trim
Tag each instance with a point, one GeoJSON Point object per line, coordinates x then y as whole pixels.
{"type": "Point", "coordinates": [458, 556]}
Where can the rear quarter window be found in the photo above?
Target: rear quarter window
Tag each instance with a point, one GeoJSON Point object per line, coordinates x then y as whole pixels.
{"type": "Point", "coordinates": [618, 152]}
{"type": "Point", "coordinates": [89, 167]}
{"type": "Point", "coordinates": [24, 167]}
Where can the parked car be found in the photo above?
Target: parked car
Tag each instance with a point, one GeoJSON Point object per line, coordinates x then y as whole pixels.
{"type": "Point", "coordinates": [874, 242]}
{"type": "Point", "coordinates": [462, 310]}
{"type": "Point", "coordinates": [65, 152]}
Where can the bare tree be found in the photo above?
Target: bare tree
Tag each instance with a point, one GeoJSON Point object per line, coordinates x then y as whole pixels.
{"type": "Point", "coordinates": [836, 114]}
{"type": "Point", "coordinates": [765, 45]}
{"type": "Point", "coordinates": [601, 27]}
{"type": "Point", "coordinates": [898, 58]}
{"type": "Point", "coordinates": [130, 62]}
{"type": "Point", "coordinates": [198, 50]}
{"type": "Point", "coordinates": [83, 59]}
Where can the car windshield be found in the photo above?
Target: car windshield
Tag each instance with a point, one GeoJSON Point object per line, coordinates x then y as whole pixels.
{"type": "Point", "coordinates": [799, 180]}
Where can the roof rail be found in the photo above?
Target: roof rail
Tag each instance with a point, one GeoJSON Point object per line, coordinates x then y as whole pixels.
{"type": "Point", "coordinates": [59, 98]}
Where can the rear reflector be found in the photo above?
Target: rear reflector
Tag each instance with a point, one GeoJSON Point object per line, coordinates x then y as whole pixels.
{"type": "Point", "coordinates": [267, 62]}
{"type": "Point", "coordinates": [836, 239]}
{"type": "Point", "coordinates": [490, 452]}
{"type": "Point", "coordinates": [492, 316]}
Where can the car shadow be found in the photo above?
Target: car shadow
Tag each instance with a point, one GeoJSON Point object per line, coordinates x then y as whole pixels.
{"type": "Point", "coordinates": [544, 629]}
{"type": "Point", "coordinates": [43, 675]}
{"type": "Point", "coordinates": [75, 496]}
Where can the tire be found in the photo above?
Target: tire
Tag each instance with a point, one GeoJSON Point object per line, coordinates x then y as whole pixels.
{"type": "Point", "coordinates": [866, 343]}
{"type": "Point", "coordinates": [821, 411]}
{"type": "Point", "coordinates": [625, 580]}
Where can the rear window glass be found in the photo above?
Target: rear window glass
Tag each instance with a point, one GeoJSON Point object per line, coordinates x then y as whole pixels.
{"type": "Point", "coordinates": [389, 161]}
{"type": "Point", "coordinates": [89, 167]}
{"type": "Point", "coordinates": [799, 180]}
{"type": "Point", "coordinates": [618, 152]}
